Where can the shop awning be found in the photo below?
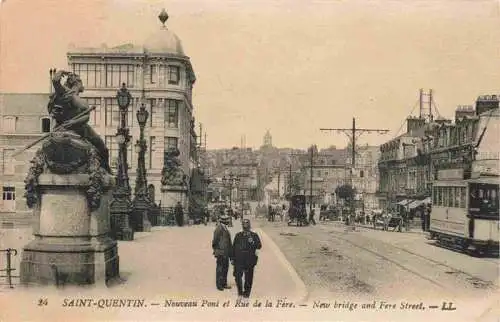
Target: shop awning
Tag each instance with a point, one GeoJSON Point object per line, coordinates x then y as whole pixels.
{"type": "Point", "coordinates": [416, 203]}
{"type": "Point", "coordinates": [403, 202]}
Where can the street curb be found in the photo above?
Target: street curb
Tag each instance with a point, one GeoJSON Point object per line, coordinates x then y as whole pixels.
{"type": "Point", "coordinates": [303, 293]}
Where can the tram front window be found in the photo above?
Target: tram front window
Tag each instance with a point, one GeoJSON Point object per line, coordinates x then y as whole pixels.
{"type": "Point", "coordinates": [483, 199]}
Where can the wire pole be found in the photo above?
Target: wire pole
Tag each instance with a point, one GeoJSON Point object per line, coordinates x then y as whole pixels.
{"type": "Point", "coordinates": [353, 134]}
{"type": "Point", "coordinates": [311, 180]}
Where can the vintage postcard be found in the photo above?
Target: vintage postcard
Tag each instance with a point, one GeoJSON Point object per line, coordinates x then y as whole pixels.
{"type": "Point", "coordinates": [268, 160]}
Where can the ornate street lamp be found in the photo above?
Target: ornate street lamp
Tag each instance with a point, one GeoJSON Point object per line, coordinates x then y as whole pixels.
{"type": "Point", "coordinates": [230, 182]}
{"type": "Point", "coordinates": [142, 204]}
{"type": "Point", "coordinates": [121, 206]}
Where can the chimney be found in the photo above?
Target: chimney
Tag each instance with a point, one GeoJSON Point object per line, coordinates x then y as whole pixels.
{"type": "Point", "coordinates": [414, 123]}
{"type": "Point", "coordinates": [486, 103]}
{"type": "Point", "coordinates": [464, 111]}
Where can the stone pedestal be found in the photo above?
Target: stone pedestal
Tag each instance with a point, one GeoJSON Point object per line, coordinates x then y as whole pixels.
{"type": "Point", "coordinates": [171, 195]}
{"type": "Point", "coordinates": [71, 245]}
{"type": "Point", "coordinates": [140, 215]}
{"type": "Point", "coordinates": [120, 214]}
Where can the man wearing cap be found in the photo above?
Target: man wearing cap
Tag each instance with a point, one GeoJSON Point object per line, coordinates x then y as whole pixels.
{"type": "Point", "coordinates": [222, 249]}
{"type": "Point", "coordinates": [244, 259]}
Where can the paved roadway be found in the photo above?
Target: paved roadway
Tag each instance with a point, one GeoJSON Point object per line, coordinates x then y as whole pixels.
{"type": "Point", "coordinates": [317, 263]}
{"type": "Point", "coordinates": [334, 261]}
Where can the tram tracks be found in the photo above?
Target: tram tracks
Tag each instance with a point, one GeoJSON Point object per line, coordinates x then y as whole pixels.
{"type": "Point", "coordinates": [475, 281]}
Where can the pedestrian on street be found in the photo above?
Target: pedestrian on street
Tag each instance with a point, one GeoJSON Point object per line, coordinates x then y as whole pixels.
{"type": "Point", "coordinates": [428, 217]}
{"type": "Point", "coordinates": [222, 250]}
{"type": "Point", "coordinates": [244, 258]}
{"type": "Point", "coordinates": [311, 216]}
{"type": "Point", "coordinates": [179, 214]}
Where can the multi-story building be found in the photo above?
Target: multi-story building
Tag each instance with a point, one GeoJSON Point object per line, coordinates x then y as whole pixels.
{"type": "Point", "coordinates": [157, 73]}
{"type": "Point", "coordinates": [365, 175]}
{"type": "Point", "coordinates": [328, 172]}
{"type": "Point", "coordinates": [24, 119]}
{"type": "Point", "coordinates": [410, 162]}
{"type": "Point", "coordinates": [403, 176]}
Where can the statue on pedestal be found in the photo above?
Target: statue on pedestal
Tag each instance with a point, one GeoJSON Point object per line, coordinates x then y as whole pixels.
{"type": "Point", "coordinates": [69, 187]}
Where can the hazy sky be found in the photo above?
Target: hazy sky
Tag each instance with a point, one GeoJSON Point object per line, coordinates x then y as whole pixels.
{"type": "Point", "coordinates": [288, 66]}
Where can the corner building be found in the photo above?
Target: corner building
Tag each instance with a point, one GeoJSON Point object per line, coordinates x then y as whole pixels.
{"type": "Point", "coordinates": [159, 75]}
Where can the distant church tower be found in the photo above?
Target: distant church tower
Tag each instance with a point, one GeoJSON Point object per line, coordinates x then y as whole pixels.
{"type": "Point", "coordinates": [268, 139]}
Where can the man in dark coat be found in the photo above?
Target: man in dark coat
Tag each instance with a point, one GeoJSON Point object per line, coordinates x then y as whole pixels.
{"type": "Point", "coordinates": [179, 214]}
{"type": "Point", "coordinates": [222, 250]}
{"type": "Point", "coordinates": [244, 258]}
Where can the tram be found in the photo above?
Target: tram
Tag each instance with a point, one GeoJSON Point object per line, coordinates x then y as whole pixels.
{"type": "Point", "coordinates": [465, 213]}
{"type": "Point", "coordinates": [465, 202]}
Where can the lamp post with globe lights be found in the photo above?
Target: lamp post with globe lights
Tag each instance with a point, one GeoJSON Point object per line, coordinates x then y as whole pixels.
{"type": "Point", "coordinates": [142, 204]}
{"type": "Point", "coordinates": [230, 182]}
{"type": "Point", "coordinates": [121, 205]}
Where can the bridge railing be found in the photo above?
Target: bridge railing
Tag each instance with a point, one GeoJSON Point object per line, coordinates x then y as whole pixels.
{"type": "Point", "coordinates": [9, 252]}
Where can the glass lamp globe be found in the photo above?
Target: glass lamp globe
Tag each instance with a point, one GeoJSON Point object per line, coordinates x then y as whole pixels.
{"type": "Point", "coordinates": [120, 138]}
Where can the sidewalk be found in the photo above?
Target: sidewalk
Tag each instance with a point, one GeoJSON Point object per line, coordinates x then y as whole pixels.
{"type": "Point", "coordinates": [173, 263]}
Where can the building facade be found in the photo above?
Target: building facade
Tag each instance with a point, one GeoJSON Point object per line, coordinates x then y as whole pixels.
{"type": "Point", "coordinates": [411, 162]}
{"type": "Point", "coordinates": [157, 73]}
{"type": "Point", "coordinates": [24, 119]}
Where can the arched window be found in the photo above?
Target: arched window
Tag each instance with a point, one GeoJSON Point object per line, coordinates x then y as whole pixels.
{"type": "Point", "coordinates": [45, 124]}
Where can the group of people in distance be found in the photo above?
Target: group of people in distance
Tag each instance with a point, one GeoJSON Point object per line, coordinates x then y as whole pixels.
{"type": "Point", "coordinates": [241, 253]}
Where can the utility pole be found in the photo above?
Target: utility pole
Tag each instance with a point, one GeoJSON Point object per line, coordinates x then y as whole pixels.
{"type": "Point", "coordinates": [290, 180]}
{"type": "Point", "coordinates": [311, 161]}
{"type": "Point", "coordinates": [279, 175]}
{"type": "Point", "coordinates": [353, 134]}
{"type": "Point", "coordinates": [311, 156]}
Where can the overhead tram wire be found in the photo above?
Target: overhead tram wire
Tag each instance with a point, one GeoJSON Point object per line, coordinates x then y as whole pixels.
{"type": "Point", "coordinates": [435, 107]}
{"type": "Point", "coordinates": [404, 121]}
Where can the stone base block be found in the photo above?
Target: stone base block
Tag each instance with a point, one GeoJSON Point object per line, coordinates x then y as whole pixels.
{"type": "Point", "coordinates": [45, 262]}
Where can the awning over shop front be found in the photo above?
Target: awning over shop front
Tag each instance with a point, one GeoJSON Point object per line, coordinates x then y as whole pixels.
{"type": "Point", "coordinates": [403, 202]}
{"type": "Point", "coordinates": [416, 203]}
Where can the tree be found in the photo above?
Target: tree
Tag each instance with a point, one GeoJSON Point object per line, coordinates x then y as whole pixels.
{"type": "Point", "coordinates": [345, 192]}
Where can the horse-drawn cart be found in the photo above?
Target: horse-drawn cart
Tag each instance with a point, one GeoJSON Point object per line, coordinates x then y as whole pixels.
{"type": "Point", "coordinates": [297, 212]}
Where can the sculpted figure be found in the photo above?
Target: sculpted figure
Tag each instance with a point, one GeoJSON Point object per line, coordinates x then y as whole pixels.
{"type": "Point", "coordinates": [65, 104]}
{"type": "Point", "coordinates": [172, 173]}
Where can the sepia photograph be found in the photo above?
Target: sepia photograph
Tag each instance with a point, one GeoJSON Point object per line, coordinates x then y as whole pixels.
{"type": "Point", "coordinates": [238, 160]}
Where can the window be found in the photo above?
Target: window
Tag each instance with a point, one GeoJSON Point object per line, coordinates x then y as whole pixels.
{"type": "Point", "coordinates": [334, 162]}
{"type": "Point", "coordinates": [95, 115]}
{"type": "Point", "coordinates": [111, 144]}
{"type": "Point", "coordinates": [89, 73]}
{"type": "Point", "coordinates": [173, 75]}
{"type": "Point", "coordinates": [152, 73]}
{"type": "Point", "coordinates": [111, 112]}
{"type": "Point", "coordinates": [172, 113]}
{"type": "Point", "coordinates": [484, 199]}
{"type": "Point", "coordinates": [451, 196]}
{"type": "Point", "coordinates": [361, 173]}
{"type": "Point", "coordinates": [45, 124]}
{"type": "Point", "coordinates": [7, 162]}
{"type": "Point", "coordinates": [170, 143]}
{"type": "Point", "coordinates": [153, 115]}
{"type": "Point", "coordinates": [118, 74]}
{"type": "Point", "coordinates": [8, 193]}
{"type": "Point", "coordinates": [9, 124]}
{"type": "Point", "coordinates": [462, 197]}
{"type": "Point", "coordinates": [9, 198]}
